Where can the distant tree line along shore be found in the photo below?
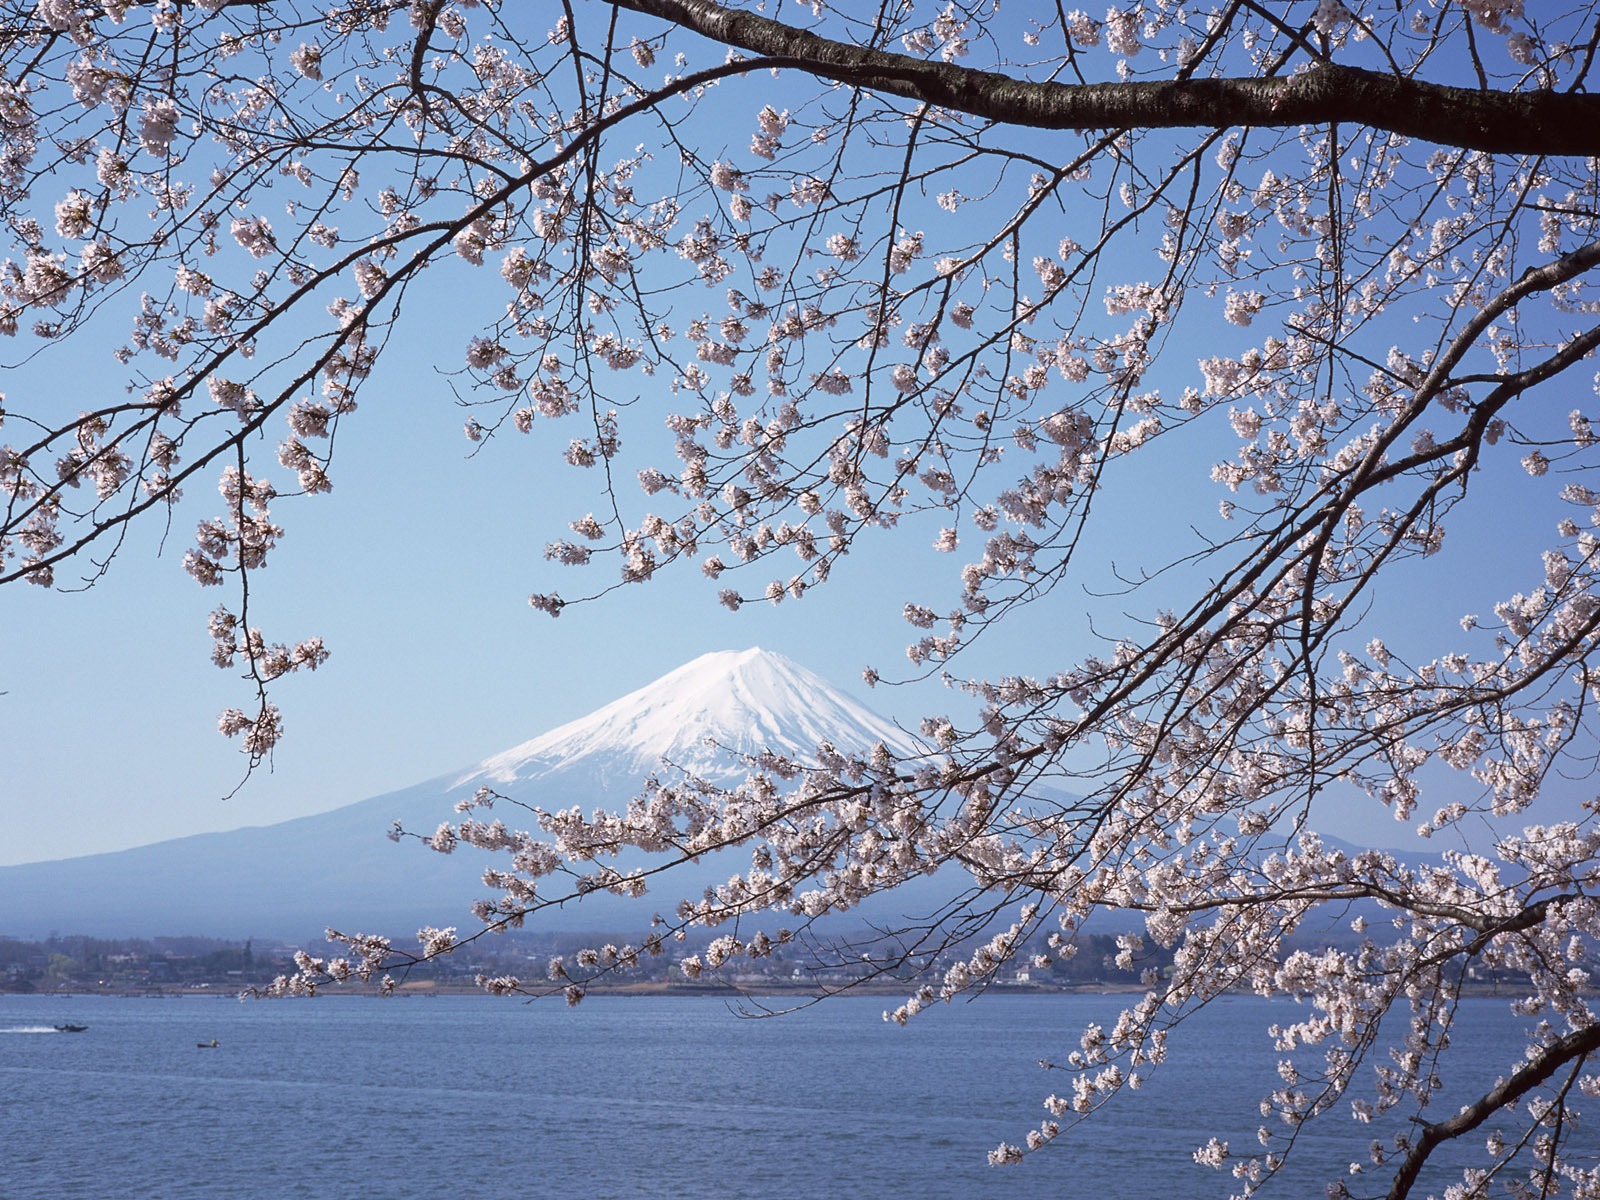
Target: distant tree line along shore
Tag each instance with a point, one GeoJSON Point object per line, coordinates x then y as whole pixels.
{"type": "Point", "coordinates": [76, 964]}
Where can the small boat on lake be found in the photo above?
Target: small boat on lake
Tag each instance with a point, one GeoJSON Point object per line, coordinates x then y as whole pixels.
{"type": "Point", "coordinates": [70, 1028]}
{"type": "Point", "coordinates": [213, 1044]}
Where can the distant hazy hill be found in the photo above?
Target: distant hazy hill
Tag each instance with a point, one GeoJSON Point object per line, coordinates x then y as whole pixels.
{"type": "Point", "coordinates": [293, 879]}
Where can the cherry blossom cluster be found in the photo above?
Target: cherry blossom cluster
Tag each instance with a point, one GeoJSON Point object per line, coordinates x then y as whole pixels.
{"type": "Point", "coordinates": [776, 321]}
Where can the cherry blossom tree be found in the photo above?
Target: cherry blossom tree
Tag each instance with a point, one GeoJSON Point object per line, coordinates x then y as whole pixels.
{"type": "Point", "coordinates": [948, 273]}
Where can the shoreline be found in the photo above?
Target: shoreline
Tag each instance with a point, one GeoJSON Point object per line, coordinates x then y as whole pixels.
{"type": "Point", "coordinates": [430, 989]}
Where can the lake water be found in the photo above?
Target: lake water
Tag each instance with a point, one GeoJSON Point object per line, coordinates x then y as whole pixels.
{"type": "Point", "coordinates": [421, 1097]}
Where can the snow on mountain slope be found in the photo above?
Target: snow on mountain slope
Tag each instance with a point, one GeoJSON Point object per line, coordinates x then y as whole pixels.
{"type": "Point", "coordinates": [294, 878]}
{"type": "Point", "coordinates": [741, 701]}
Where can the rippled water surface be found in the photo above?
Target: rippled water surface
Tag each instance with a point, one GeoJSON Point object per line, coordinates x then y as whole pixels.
{"type": "Point", "coordinates": [623, 1097]}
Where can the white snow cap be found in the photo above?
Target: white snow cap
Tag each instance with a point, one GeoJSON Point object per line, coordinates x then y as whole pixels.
{"type": "Point", "coordinates": [744, 700]}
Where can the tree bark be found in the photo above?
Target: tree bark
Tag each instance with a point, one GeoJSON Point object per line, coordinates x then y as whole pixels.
{"type": "Point", "coordinates": [1576, 1045]}
{"type": "Point", "coordinates": [1498, 122]}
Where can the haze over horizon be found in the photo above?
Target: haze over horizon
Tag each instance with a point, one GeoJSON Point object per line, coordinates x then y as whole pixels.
{"type": "Point", "coordinates": [294, 877]}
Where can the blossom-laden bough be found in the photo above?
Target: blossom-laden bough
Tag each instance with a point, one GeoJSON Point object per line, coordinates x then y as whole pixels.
{"type": "Point", "coordinates": [952, 274]}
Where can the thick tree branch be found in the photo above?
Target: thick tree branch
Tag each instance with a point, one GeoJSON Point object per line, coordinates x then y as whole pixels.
{"type": "Point", "coordinates": [1499, 122]}
{"type": "Point", "coordinates": [1575, 1045]}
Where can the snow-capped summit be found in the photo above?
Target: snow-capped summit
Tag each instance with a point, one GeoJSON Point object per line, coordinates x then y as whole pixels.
{"type": "Point", "coordinates": [738, 701]}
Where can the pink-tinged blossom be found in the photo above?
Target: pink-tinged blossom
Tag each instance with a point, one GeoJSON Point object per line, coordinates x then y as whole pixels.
{"type": "Point", "coordinates": [725, 177]}
{"type": "Point", "coordinates": [443, 840]}
{"type": "Point", "coordinates": [158, 126]}
{"type": "Point", "coordinates": [306, 59]}
{"type": "Point", "coordinates": [1083, 29]}
{"type": "Point", "coordinates": [808, 193]}
{"type": "Point", "coordinates": [436, 941]}
{"type": "Point", "coordinates": [1122, 32]}
{"type": "Point", "coordinates": [255, 235]}
{"type": "Point", "coordinates": [370, 277]}
{"type": "Point", "coordinates": [74, 215]}
{"type": "Point", "coordinates": [843, 247]}
{"type": "Point", "coordinates": [1374, 331]}
{"type": "Point", "coordinates": [471, 242]}
{"type": "Point", "coordinates": [101, 263]}
{"type": "Point", "coordinates": [1213, 1154]}
{"type": "Point", "coordinates": [1241, 307]}
{"type": "Point", "coordinates": [772, 122]}
{"type": "Point", "coordinates": [833, 383]}
{"type": "Point", "coordinates": [65, 16]}
{"type": "Point", "coordinates": [1495, 15]}
{"type": "Point", "coordinates": [1330, 16]}
{"type": "Point", "coordinates": [547, 603]}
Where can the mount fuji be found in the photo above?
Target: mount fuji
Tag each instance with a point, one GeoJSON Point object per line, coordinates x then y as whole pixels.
{"type": "Point", "coordinates": [697, 718]}
{"type": "Point", "coordinates": [293, 879]}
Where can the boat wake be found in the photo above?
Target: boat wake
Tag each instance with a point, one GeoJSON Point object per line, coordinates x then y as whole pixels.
{"type": "Point", "coordinates": [30, 1029]}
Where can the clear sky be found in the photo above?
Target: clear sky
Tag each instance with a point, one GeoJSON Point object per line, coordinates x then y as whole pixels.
{"type": "Point", "coordinates": [417, 577]}
{"type": "Point", "coordinates": [416, 571]}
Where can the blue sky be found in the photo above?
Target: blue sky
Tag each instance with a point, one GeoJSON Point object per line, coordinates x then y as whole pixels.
{"type": "Point", "coordinates": [417, 577]}
{"type": "Point", "coordinates": [416, 571]}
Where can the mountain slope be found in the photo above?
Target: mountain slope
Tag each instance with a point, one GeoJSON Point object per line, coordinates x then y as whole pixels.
{"type": "Point", "coordinates": [293, 879]}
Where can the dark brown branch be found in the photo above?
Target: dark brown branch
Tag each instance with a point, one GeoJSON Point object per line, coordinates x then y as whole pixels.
{"type": "Point", "coordinates": [1536, 122]}
{"type": "Point", "coordinates": [1508, 1091]}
